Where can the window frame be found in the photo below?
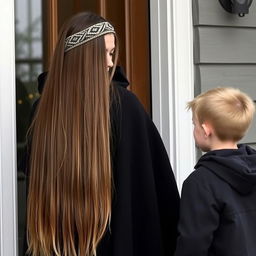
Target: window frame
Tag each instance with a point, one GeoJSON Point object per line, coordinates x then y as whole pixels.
{"type": "Point", "coordinates": [8, 173]}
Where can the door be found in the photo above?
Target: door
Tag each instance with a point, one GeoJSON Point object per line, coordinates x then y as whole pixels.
{"type": "Point", "coordinates": [131, 21]}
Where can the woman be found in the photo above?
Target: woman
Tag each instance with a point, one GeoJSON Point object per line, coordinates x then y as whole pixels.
{"type": "Point", "coordinates": [99, 176]}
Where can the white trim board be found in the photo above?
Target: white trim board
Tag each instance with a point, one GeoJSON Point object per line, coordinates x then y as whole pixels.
{"type": "Point", "coordinates": [8, 177]}
{"type": "Point", "coordinates": [172, 80]}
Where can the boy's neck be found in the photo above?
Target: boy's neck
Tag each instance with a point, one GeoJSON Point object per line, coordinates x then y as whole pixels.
{"type": "Point", "coordinates": [217, 144]}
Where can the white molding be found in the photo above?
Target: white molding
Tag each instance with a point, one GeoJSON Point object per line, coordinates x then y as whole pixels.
{"type": "Point", "coordinates": [184, 87]}
{"type": "Point", "coordinates": [8, 177]}
{"type": "Point", "coordinates": [161, 72]}
{"type": "Point", "coordinates": [172, 80]}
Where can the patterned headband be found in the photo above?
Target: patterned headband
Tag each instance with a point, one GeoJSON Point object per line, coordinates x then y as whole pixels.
{"type": "Point", "coordinates": [88, 34]}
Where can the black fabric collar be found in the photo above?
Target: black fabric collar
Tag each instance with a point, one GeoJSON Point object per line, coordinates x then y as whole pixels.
{"type": "Point", "coordinates": [118, 78]}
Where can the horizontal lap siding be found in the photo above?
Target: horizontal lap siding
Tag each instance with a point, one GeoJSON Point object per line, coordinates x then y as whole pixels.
{"type": "Point", "coordinates": [225, 51]}
{"type": "Point", "coordinates": [225, 45]}
{"type": "Point", "coordinates": [211, 13]}
{"type": "Point", "coordinates": [228, 75]}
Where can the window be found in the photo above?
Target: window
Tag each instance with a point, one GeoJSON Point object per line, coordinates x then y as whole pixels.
{"type": "Point", "coordinates": [29, 64]}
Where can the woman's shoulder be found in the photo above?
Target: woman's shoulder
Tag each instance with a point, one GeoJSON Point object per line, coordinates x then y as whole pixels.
{"type": "Point", "coordinates": [128, 101]}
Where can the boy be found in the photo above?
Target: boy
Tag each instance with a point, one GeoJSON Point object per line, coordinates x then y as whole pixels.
{"type": "Point", "coordinates": [218, 201]}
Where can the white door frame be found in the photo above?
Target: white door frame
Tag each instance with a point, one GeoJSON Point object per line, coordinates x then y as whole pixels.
{"type": "Point", "coordinates": [172, 80]}
{"type": "Point", "coordinates": [8, 176]}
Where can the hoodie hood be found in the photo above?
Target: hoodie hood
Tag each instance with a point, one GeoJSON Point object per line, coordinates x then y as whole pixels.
{"type": "Point", "coordinates": [237, 167]}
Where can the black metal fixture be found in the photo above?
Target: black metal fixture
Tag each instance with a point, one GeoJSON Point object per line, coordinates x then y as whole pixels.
{"type": "Point", "coordinates": [240, 7]}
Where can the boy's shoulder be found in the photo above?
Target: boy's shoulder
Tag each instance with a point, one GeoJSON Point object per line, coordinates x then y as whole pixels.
{"type": "Point", "coordinates": [201, 175]}
{"type": "Point", "coordinates": [201, 182]}
{"type": "Point", "coordinates": [205, 178]}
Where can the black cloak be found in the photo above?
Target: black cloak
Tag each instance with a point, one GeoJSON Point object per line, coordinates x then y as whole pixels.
{"type": "Point", "coordinates": [145, 196]}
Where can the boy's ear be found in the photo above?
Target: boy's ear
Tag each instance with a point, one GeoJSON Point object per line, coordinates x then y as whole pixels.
{"type": "Point", "coordinates": [207, 129]}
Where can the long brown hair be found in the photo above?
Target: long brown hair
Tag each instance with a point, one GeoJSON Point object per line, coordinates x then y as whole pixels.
{"type": "Point", "coordinates": [70, 178]}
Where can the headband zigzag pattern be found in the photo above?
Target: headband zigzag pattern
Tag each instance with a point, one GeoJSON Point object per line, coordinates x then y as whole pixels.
{"type": "Point", "coordinates": [88, 34]}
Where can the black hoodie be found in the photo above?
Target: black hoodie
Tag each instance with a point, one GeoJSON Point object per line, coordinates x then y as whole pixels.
{"type": "Point", "coordinates": [218, 205]}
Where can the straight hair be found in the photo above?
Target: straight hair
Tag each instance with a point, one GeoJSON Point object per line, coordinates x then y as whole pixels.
{"type": "Point", "coordinates": [70, 174]}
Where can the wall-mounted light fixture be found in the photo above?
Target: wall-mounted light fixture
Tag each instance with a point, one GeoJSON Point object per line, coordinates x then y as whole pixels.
{"type": "Point", "coordinates": [240, 7]}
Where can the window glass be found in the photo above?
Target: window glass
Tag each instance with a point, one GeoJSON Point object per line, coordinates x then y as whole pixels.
{"type": "Point", "coordinates": [28, 48]}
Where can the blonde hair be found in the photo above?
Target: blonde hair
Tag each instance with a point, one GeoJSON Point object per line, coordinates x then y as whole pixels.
{"type": "Point", "coordinates": [228, 110]}
{"type": "Point", "coordinates": [70, 176]}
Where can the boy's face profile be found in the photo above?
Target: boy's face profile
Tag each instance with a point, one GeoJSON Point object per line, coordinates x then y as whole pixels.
{"type": "Point", "coordinates": [200, 135]}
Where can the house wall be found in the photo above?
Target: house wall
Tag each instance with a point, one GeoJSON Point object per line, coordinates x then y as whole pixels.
{"type": "Point", "coordinates": [225, 51]}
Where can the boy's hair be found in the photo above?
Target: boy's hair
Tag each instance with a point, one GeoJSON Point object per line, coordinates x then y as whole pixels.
{"type": "Point", "coordinates": [228, 110]}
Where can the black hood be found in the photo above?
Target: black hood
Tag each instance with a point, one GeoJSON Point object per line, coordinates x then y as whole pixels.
{"type": "Point", "coordinates": [118, 78]}
{"type": "Point", "coordinates": [235, 166]}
